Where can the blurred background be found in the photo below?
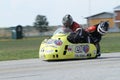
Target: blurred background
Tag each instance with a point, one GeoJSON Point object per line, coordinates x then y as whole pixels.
{"type": "Point", "coordinates": [43, 17]}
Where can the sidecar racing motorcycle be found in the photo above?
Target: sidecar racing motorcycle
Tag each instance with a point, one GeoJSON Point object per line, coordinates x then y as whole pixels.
{"type": "Point", "coordinates": [59, 48]}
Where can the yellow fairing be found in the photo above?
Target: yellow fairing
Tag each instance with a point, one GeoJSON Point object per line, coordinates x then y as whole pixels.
{"type": "Point", "coordinates": [58, 48]}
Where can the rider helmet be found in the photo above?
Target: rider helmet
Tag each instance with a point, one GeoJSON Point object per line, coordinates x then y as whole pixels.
{"type": "Point", "coordinates": [103, 28]}
{"type": "Point", "coordinates": [67, 20]}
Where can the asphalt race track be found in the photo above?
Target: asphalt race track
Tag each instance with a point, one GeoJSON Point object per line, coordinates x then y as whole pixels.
{"type": "Point", "coordinates": [107, 67]}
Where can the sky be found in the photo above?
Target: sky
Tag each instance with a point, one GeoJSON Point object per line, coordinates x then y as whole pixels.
{"type": "Point", "coordinates": [24, 12]}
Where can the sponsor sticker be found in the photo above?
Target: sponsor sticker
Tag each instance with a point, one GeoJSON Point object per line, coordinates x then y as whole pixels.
{"type": "Point", "coordinates": [58, 42]}
{"type": "Point", "coordinates": [81, 50]}
{"type": "Point", "coordinates": [49, 51]}
{"type": "Point", "coordinates": [80, 55]}
{"type": "Point", "coordinates": [69, 48]}
{"type": "Point", "coordinates": [50, 41]}
{"type": "Point", "coordinates": [85, 48]}
{"type": "Point", "coordinates": [78, 49]}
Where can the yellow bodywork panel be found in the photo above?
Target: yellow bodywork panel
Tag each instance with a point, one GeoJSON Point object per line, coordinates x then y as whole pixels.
{"type": "Point", "coordinates": [58, 48]}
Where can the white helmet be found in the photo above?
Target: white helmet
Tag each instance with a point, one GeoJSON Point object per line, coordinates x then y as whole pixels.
{"type": "Point", "coordinates": [103, 28]}
{"type": "Point", "coordinates": [67, 20]}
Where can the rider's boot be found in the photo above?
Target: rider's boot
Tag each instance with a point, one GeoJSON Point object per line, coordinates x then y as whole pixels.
{"type": "Point", "coordinates": [98, 49]}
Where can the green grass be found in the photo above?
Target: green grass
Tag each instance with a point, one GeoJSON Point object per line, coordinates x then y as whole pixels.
{"type": "Point", "coordinates": [29, 47]}
{"type": "Point", "coordinates": [110, 43]}
{"type": "Point", "coordinates": [19, 49]}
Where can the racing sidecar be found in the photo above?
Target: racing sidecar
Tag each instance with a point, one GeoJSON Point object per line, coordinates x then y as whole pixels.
{"type": "Point", "coordinates": [59, 48]}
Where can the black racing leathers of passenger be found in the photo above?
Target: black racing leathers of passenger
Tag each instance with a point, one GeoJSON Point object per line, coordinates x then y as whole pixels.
{"type": "Point", "coordinates": [95, 38]}
{"type": "Point", "coordinates": [80, 36]}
